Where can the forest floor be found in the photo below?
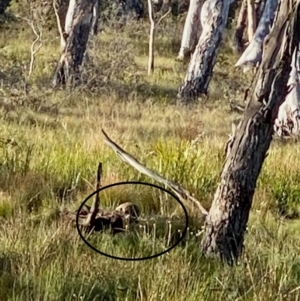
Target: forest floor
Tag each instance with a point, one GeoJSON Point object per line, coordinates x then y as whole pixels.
{"type": "Point", "coordinates": [51, 144]}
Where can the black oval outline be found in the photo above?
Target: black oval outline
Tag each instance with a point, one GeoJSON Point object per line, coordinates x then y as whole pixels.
{"type": "Point", "coordinates": [139, 183]}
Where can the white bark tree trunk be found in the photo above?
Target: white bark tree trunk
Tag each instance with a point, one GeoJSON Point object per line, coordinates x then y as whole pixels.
{"type": "Point", "coordinates": [288, 119]}
{"type": "Point", "coordinates": [192, 29]}
{"type": "Point", "coordinates": [74, 30]}
{"type": "Point", "coordinates": [95, 21]}
{"type": "Point", "coordinates": [214, 15]}
{"type": "Point", "coordinates": [253, 53]}
{"type": "Point", "coordinates": [251, 19]}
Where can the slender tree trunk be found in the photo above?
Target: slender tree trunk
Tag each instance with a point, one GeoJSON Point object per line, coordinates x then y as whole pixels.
{"type": "Point", "coordinates": [75, 35]}
{"type": "Point", "coordinates": [214, 15]}
{"type": "Point", "coordinates": [253, 53]}
{"type": "Point", "coordinates": [151, 39]}
{"type": "Point", "coordinates": [61, 10]}
{"type": "Point", "coordinates": [251, 19]}
{"type": "Point", "coordinates": [226, 221]}
{"type": "Point", "coordinates": [166, 6]}
{"type": "Point", "coordinates": [95, 20]}
{"type": "Point", "coordinates": [192, 29]}
{"type": "Point", "coordinates": [238, 42]}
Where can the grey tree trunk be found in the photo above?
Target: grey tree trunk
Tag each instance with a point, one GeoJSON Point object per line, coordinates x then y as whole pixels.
{"type": "Point", "coordinates": [214, 15]}
{"type": "Point", "coordinates": [253, 53]}
{"type": "Point", "coordinates": [238, 42]}
{"type": "Point", "coordinates": [74, 37]}
{"type": "Point", "coordinates": [260, 7]}
{"type": "Point", "coordinates": [192, 29]}
{"type": "Point", "coordinates": [226, 221]}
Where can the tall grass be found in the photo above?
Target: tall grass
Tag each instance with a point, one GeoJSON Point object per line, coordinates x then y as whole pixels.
{"type": "Point", "coordinates": [51, 143]}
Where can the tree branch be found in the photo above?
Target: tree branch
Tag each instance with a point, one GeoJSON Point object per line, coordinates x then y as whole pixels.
{"type": "Point", "coordinates": [182, 194]}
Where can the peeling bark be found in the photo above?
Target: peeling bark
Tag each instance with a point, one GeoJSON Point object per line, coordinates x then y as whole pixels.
{"type": "Point", "coordinates": [287, 122]}
{"type": "Point", "coordinates": [214, 15]}
{"type": "Point", "coordinates": [75, 30]}
{"type": "Point", "coordinates": [253, 54]}
{"type": "Point", "coordinates": [192, 29]}
{"type": "Point", "coordinates": [239, 43]}
{"type": "Point", "coordinates": [227, 219]}
{"type": "Point", "coordinates": [259, 8]}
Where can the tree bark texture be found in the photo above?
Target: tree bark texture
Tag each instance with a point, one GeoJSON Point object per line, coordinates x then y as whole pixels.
{"type": "Point", "coordinates": [226, 221]}
{"type": "Point", "coordinates": [259, 8]}
{"type": "Point", "coordinates": [214, 16]}
{"type": "Point", "coordinates": [253, 53]}
{"type": "Point", "coordinates": [76, 32]}
{"type": "Point", "coordinates": [288, 119]}
{"type": "Point", "coordinates": [238, 42]}
{"type": "Point", "coordinates": [192, 29]}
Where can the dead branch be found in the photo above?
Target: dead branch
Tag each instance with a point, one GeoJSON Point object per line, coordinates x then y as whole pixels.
{"type": "Point", "coordinates": [162, 17]}
{"type": "Point", "coordinates": [151, 35]}
{"type": "Point", "coordinates": [61, 29]}
{"type": "Point", "coordinates": [236, 107]}
{"type": "Point", "coordinates": [34, 50]}
{"type": "Point", "coordinates": [96, 219]}
{"type": "Point", "coordinates": [183, 194]}
{"type": "Point", "coordinates": [95, 206]}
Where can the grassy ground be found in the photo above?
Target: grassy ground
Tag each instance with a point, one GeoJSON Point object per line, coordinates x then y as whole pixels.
{"type": "Point", "coordinates": [51, 143]}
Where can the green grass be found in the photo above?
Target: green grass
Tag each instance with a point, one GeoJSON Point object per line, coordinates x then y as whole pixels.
{"type": "Point", "coordinates": [51, 144]}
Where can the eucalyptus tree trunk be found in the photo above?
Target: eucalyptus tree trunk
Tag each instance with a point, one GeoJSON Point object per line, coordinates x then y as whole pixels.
{"type": "Point", "coordinates": [226, 221]}
{"type": "Point", "coordinates": [238, 42]}
{"type": "Point", "coordinates": [192, 29]}
{"type": "Point", "coordinates": [288, 119]}
{"type": "Point", "coordinates": [74, 25]}
{"type": "Point", "coordinates": [251, 19]}
{"type": "Point", "coordinates": [260, 7]}
{"type": "Point", "coordinates": [253, 53]}
{"type": "Point", "coordinates": [214, 15]}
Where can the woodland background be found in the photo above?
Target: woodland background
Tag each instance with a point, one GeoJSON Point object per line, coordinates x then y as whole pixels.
{"type": "Point", "coordinates": [51, 143]}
